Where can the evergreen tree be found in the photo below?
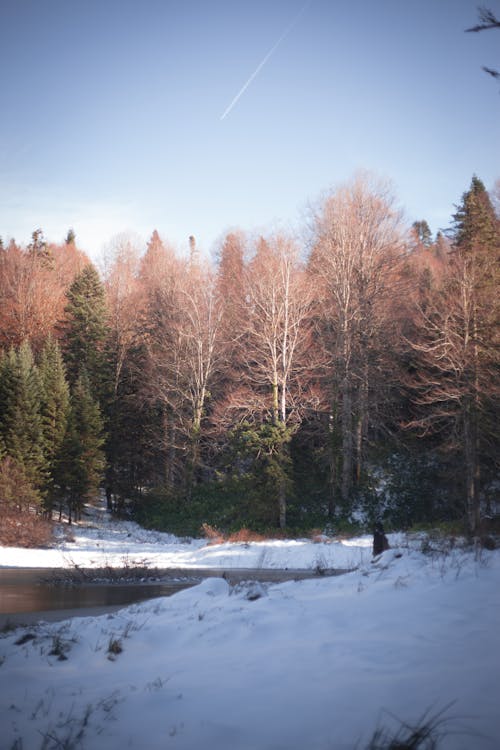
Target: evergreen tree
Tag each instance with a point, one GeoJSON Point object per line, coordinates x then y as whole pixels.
{"type": "Point", "coordinates": [422, 232]}
{"type": "Point", "coordinates": [82, 461]}
{"type": "Point", "coordinates": [54, 411]}
{"type": "Point", "coordinates": [38, 244]}
{"type": "Point", "coordinates": [261, 453]}
{"type": "Point", "coordinates": [70, 237]}
{"type": "Point", "coordinates": [20, 417]}
{"type": "Point", "coordinates": [475, 225]}
{"type": "Point", "coordinates": [85, 330]}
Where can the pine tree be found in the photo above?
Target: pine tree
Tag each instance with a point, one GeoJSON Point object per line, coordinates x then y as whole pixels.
{"type": "Point", "coordinates": [82, 459]}
{"type": "Point", "coordinates": [70, 237]}
{"type": "Point", "coordinates": [85, 330]}
{"type": "Point", "coordinates": [38, 248]}
{"type": "Point", "coordinates": [20, 416]}
{"type": "Point", "coordinates": [54, 411]}
{"type": "Point", "coordinates": [422, 232]}
{"type": "Point", "coordinates": [475, 225]}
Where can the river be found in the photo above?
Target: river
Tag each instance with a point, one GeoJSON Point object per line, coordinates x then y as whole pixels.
{"type": "Point", "coordinates": [28, 595]}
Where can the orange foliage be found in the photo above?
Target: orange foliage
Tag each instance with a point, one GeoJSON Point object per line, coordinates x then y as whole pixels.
{"type": "Point", "coordinates": [32, 291]}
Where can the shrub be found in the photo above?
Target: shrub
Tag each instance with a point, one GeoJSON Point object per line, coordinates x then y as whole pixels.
{"type": "Point", "coordinates": [24, 530]}
{"type": "Point", "coordinates": [213, 535]}
{"type": "Point", "coordinates": [20, 522]}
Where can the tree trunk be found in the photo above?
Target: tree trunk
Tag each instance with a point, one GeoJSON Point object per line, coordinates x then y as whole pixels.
{"type": "Point", "coordinates": [346, 440]}
{"type": "Point", "coordinates": [170, 433]}
{"type": "Point", "coordinates": [282, 503]}
{"type": "Point", "coordinates": [275, 400]}
{"type": "Point", "coordinates": [361, 421]}
{"type": "Point", "coordinates": [332, 466]}
{"type": "Point", "coordinates": [471, 472]}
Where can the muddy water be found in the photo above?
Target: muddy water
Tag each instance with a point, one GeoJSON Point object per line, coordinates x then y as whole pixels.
{"type": "Point", "coordinates": [28, 595]}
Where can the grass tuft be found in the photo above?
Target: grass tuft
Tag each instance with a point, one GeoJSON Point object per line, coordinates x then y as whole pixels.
{"type": "Point", "coordinates": [115, 647]}
{"type": "Point", "coordinates": [425, 734]}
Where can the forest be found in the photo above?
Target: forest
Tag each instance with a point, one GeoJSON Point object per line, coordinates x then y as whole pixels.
{"type": "Point", "coordinates": [327, 381]}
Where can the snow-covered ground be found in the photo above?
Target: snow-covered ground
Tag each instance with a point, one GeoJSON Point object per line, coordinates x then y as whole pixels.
{"type": "Point", "coordinates": [316, 664]}
{"type": "Point", "coordinates": [99, 541]}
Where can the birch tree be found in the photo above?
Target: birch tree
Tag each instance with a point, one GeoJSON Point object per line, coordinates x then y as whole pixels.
{"type": "Point", "coordinates": [275, 342]}
{"type": "Point", "coordinates": [357, 246]}
{"type": "Point", "coordinates": [182, 352]}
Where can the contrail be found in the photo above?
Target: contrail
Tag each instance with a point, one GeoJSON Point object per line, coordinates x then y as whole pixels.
{"type": "Point", "coordinates": [266, 58]}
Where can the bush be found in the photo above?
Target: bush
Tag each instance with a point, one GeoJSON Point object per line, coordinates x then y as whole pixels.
{"type": "Point", "coordinates": [20, 522]}
{"type": "Point", "coordinates": [24, 529]}
{"type": "Point", "coordinates": [16, 491]}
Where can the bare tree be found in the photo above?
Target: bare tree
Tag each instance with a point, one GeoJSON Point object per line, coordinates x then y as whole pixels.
{"type": "Point", "coordinates": [33, 282]}
{"type": "Point", "coordinates": [181, 342]}
{"type": "Point", "coordinates": [123, 301]}
{"type": "Point", "coordinates": [274, 338]}
{"type": "Point", "coordinates": [356, 260]}
{"type": "Point", "coordinates": [279, 305]}
{"type": "Point", "coordinates": [488, 20]}
{"type": "Point", "coordinates": [456, 382]}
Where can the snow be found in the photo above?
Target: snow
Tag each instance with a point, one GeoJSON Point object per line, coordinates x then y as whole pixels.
{"type": "Point", "coordinates": [316, 664]}
{"type": "Point", "coordinates": [101, 542]}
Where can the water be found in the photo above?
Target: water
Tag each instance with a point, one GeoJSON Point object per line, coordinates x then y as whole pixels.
{"type": "Point", "coordinates": [29, 595]}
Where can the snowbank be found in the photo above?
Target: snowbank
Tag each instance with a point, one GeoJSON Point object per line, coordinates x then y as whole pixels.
{"type": "Point", "coordinates": [102, 542]}
{"type": "Point", "coordinates": [315, 664]}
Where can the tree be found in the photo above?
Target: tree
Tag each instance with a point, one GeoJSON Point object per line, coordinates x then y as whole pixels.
{"type": "Point", "coordinates": [54, 409]}
{"type": "Point", "coordinates": [356, 265]}
{"type": "Point", "coordinates": [456, 386]}
{"type": "Point", "coordinates": [32, 291]}
{"type": "Point", "coordinates": [488, 20]}
{"type": "Point", "coordinates": [84, 330]}
{"type": "Point", "coordinates": [260, 452]}
{"type": "Point", "coordinates": [38, 247]}
{"type": "Point", "coordinates": [125, 317]}
{"type": "Point", "coordinates": [274, 352]}
{"type": "Point", "coordinates": [181, 346]}
{"type": "Point", "coordinates": [123, 305]}
{"type": "Point", "coordinates": [20, 418]}
{"type": "Point", "coordinates": [20, 523]}
{"type": "Point", "coordinates": [70, 237]}
{"type": "Point", "coordinates": [422, 233]}
{"type": "Point", "coordinates": [82, 461]}
{"type": "Point", "coordinates": [230, 292]}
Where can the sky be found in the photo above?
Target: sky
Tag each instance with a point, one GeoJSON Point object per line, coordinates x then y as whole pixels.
{"type": "Point", "coordinates": [196, 117]}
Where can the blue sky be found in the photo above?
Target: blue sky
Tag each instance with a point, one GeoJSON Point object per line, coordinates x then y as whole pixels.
{"type": "Point", "coordinates": [111, 112]}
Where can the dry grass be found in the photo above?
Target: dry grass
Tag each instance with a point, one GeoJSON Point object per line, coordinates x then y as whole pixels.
{"type": "Point", "coordinates": [244, 535]}
{"type": "Point", "coordinates": [213, 535]}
